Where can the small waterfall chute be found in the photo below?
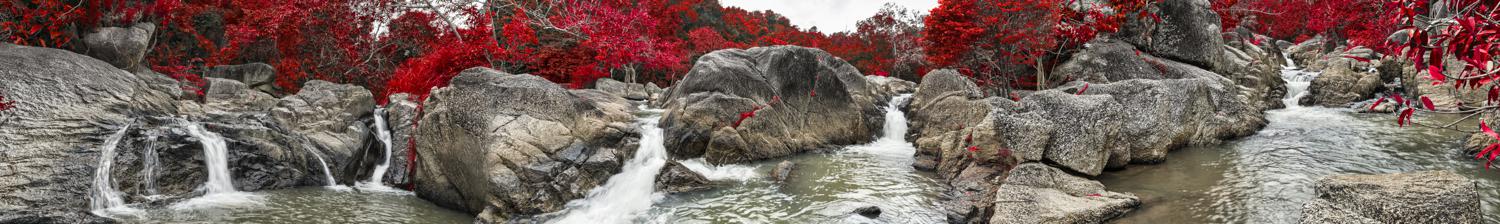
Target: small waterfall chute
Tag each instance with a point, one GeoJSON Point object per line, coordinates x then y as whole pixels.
{"type": "Point", "coordinates": [104, 199]}
{"type": "Point", "coordinates": [150, 164]}
{"type": "Point", "coordinates": [630, 193]}
{"type": "Point", "coordinates": [383, 134]}
{"type": "Point", "coordinates": [219, 189]}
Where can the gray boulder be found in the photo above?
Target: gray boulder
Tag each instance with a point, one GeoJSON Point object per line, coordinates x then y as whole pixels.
{"type": "Point", "coordinates": [229, 96]}
{"type": "Point", "coordinates": [1342, 82]}
{"type": "Point", "coordinates": [65, 104]}
{"type": "Point", "coordinates": [1416, 197]}
{"type": "Point", "coordinates": [1037, 193]}
{"type": "Point", "coordinates": [892, 85]}
{"type": "Point", "coordinates": [401, 116]}
{"type": "Point", "coordinates": [675, 178]}
{"type": "Point", "coordinates": [794, 99]}
{"type": "Point", "coordinates": [123, 47]}
{"type": "Point", "coordinates": [334, 117]}
{"type": "Point", "coordinates": [258, 76]}
{"type": "Point", "coordinates": [630, 91]}
{"type": "Point", "coordinates": [505, 146]}
{"type": "Point", "coordinates": [1189, 31]}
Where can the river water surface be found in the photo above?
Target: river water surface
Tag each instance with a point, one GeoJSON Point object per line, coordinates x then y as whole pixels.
{"type": "Point", "coordinates": [1265, 178]}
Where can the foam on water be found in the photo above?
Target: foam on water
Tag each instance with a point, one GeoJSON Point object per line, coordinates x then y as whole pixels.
{"type": "Point", "coordinates": [627, 195]}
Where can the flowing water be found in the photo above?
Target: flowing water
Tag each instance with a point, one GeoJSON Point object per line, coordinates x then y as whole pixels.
{"type": "Point", "coordinates": [318, 205]}
{"type": "Point", "coordinates": [219, 189]}
{"type": "Point", "coordinates": [1265, 178]}
{"type": "Point", "coordinates": [823, 188]}
{"type": "Point", "coordinates": [382, 133]}
{"type": "Point", "coordinates": [104, 200]}
{"type": "Point", "coordinates": [151, 163]}
{"type": "Point", "coordinates": [631, 192]}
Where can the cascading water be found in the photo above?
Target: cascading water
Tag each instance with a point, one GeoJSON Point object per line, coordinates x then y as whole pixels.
{"type": "Point", "coordinates": [327, 174]}
{"type": "Point", "coordinates": [382, 133]}
{"type": "Point", "coordinates": [219, 189]}
{"type": "Point", "coordinates": [151, 163]}
{"type": "Point", "coordinates": [104, 198]}
{"type": "Point", "coordinates": [631, 192]}
{"type": "Point", "coordinates": [215, 158]}
{"type": "Point", "coordinates": [822, 188]}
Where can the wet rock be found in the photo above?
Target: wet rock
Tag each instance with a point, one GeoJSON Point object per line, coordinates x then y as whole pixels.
{"type": "Point", "coordinates": [258, 76]}
{"type": "Point", "coordinates": [1444, 97]}
{"type": "Point", "coordinates": [65, 104]}
{"type": "Point", "coordinates": [1037, 193]}
{"type": "Point", "coordinates": [782, 171]}
{"type": "Point", "coordinates": [505, 146]}
{"type": "Point", "coordinates": [123, 47]}
{"type": "Point", "coordinates": [334, 117]}
{"type": "Point", "coordinates": [793, 99]}
{"type": "Point", "coordinates": [868, 211]}
{"type": "Point", "coordinates": [630, 91]}
{"type": "Point", "coordinates": [1416, 197]}
{"type": "Point", "coordinates": [1189, 31]}
{"type": "Point", "coordinates": [675, 178]}
{"type": "Point", "coordinates": [1342, 82]}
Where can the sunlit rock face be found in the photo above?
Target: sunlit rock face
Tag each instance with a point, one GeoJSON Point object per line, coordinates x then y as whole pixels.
{"type": "Point", "coordinates": [1416, 197]}
{"type": "Point", "coordinates": [505, 146]}
{"type": "Point", "coordinates": [746, 105]}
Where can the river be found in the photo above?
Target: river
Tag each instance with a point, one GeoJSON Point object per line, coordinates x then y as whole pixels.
{"type": "Point", "coordinates": [1266, 177]}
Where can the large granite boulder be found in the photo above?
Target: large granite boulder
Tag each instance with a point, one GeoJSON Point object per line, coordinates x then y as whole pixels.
{"type": "Point", "coordinates": [506, 146]}
{"type": "Point", "coordinates": [334, 117]}
{"type": "Point", "coordinates": [1037, 193]}
{"type": "Point", "coordinates": [1188, 32]}
{"type": "Point", "coordinates": [401, 117]}
{"type": "Point", "coordinates": [744, 105]}
{"type": "Point", "coordinates": [65, 105]}
{"type": "Point", "coordinates": [258, 76]}
{"type": "Point", "coordinates": [1416, 197]}
{"type": "Point", "coordinates": [123, 47]}
{"type": "Point", "coordinates": [1342, 82]}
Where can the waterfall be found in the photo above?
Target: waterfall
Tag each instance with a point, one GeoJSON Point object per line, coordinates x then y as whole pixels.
{"type": "Point", "coordinates": [631, 192]}
{"type": "Point", "coordinates": [215, 158]}
{"type": "Point", "coordinates": [1297, 82]}
{"type": "Point", "coordinates": [219, 190]}
{"type": "Point", "coordinates": [104, 196]}
{"type": "Point", "coordinates": [382, 133]}
{"type": "Point", "coordinates": [150, 162]}
{"type": "Point", "coordinates": [895, 120]}
{"type": "Point", "coordinates": [327, 174]}
{"type": "Point", "coordinates": [892, 141]}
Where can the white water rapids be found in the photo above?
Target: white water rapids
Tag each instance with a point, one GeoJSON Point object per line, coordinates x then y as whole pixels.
{"type": "Point", "coordinates": [630, 193]}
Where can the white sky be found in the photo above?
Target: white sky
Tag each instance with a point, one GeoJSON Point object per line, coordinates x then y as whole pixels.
{"type": "Point", "coordinates": [828, 15]}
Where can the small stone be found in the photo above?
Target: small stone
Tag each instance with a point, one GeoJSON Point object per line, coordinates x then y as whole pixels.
{"type": "Point", "coordinates": [783, 171]}
{"type": "Point", "coordinates": [868, 211]}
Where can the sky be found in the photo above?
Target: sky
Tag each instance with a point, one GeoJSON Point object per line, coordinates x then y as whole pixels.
{"type": "Point", "coordinates": [829, 16]}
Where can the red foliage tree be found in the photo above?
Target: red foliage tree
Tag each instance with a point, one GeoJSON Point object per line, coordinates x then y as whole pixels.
{"type": "Point", "coordinates": [998, 42]}
{"type": "Point", "coordinates": [1431, 31]}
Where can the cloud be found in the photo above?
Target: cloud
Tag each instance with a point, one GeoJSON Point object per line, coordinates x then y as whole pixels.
{"type": "Point", "coordinates": [828, 15]}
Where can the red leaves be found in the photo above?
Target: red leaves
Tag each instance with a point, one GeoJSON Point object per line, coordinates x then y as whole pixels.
{"type": "Point", "coordinates": [1081, 90]}
{"type": "Point", "coordinates": [6, 104]}
{"type": "Point", "coordinates": [1405, 117]}
{"type": "Point", "coordinates": [1427, 103]}
{"type": "Point", "coordinates": [1095, 195]}
{"type": "Point", "coordinates": [1360, 59]}
{"type": "Point", "coordinates": [1377, 103]}
{"type": "Point", "coordinates": [1493, 150]}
